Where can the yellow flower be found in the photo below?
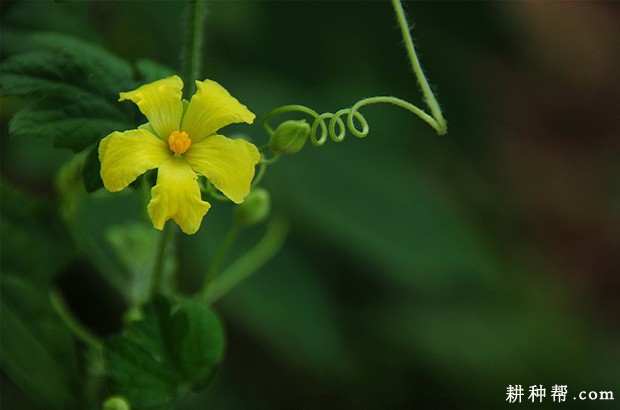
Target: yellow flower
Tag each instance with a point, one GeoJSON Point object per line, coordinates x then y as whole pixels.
{"type": "Point", "coordinates": [180, 141]}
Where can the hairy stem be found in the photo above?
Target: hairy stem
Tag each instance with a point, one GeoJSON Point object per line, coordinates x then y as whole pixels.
{"type": "Point", "coordinates": [79, 331]}
{"type": "Point", "coordinates": [249, 263]}
{"type": "Point", "coordinates": [333, 125]}
{"type": "Point", "coordinates": [159, 267]}
{"type": "Point", "coordinates": [429, 97]}
{"type": "Point", "coordinates": [192, 52]}
{"type": "Point", "coordinates": [221, 253]}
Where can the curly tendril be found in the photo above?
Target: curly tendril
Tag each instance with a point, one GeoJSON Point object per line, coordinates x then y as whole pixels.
{"type": "Point", "coordinates": [334, 126]}
{"type": "Point", "coordinates": [290, 136]}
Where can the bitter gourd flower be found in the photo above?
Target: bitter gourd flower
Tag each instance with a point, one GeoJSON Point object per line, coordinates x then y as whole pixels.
{"type": "Point", "coordinates": [180, 140]}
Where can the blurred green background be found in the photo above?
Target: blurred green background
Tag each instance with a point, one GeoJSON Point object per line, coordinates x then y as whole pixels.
{"type": "Point", "coordinates": [420, 271]}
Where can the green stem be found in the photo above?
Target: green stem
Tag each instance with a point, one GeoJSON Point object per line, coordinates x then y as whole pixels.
{"type": "Point", "coordinates": [332, 124]}
{"type": "Point", "coordinates": [394, 101]}
{"type": "Point", "coordinates": [208, 188]}
{"type": "Point", "coordinates": [429, 97]}
{"type": "Point", "coordinates": [249, 263]}
{"type": "Point", "coordinates": [63, 311]}
{"type": "Point", "coordinates": [259, 175]}
{"type": "Point", "coordinates": [192, 59]}
{"type": "Point", "coordinates": [192, 53]}
{"type": "Point", "coordinates": [220, 255]}
{"type": "Point", "coordinates": [283, 109]}
{"type": "Point", "coordinates": [159, 267]}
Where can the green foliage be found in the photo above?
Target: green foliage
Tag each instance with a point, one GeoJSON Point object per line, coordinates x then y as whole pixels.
{"type": "Point", "coordinates": [173, 350]}
{"type": "Point", "coordinates": [36, 350]}
{"type": "Point", "coordinates": [413, 276]}
{"type": "Point", "coordinates": [74, 99]}
{"type": "Point", "coordinates": [106, 66]}
{"type": "Point", "coordinates": [32, 226]}
{"type": "Point", "coordinates": [73, 88]}
{"type": "Point", "coordinates": [72, 123]}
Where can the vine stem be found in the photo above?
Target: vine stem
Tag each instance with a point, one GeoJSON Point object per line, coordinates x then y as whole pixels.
{"type": "Point", "coordinates": [429, 97]}
{"type": "Point", "coordinates": [192, 52]}
{"type": "Point", "coordinates": [249, 263]}
{"type": "Point", "coordinates": [82, 333]}
{"type": "Point", "coordinates": [159, 268]}
{"type": "Point", "coordinates": [395, 101]}
{"type": "Point", "coordinates": [191, 62]}
{"type": "Point", "coordinates": [220, 255]}
{"type": "Point", "coordinates": [333, 124]}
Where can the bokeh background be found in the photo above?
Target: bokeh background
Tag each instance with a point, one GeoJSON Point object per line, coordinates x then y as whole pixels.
{"type": "Point", "coordinates": [420, 271]}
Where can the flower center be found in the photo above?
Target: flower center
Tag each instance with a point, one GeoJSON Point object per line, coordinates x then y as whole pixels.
{"type": "Point", "coordinates": [179, 142]}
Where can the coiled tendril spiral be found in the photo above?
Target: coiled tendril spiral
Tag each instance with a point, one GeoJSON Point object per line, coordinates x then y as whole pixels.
{"type": "Point", "coordinates": [334, 126]}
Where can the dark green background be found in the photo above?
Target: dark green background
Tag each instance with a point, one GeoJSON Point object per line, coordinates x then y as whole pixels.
{"type": "Point", "coordinates": [420, 271]}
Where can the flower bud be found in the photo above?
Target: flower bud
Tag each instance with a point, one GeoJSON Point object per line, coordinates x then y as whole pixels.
{"type": "Point", "coordinates": [116, 403]}
{"type": "Point", "coordinates": [289, 137]}
{"type": "Point", "coordinates": [254, 208]}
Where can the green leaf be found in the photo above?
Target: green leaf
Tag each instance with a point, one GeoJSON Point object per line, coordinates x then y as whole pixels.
{"type": "Point", "coordinates": [75, 86]}
{"type": "Point", "coordinates": [48, 74]}
{"type": "Point", "coordinates": [104, 70]}
{"type": "Point", "coordinates": [72, 124]}
{"type": "Point", "coordinates": [74, 108]}
{"type": "Point", "coordinates": [99, 60]}
{"type": "Point", "coordinates": [36, 349]}
{"type": "Point", "coordinates": [172, 350]}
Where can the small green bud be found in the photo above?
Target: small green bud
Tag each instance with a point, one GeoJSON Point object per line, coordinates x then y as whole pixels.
{"type": "Point", "coordinates": [289, 137]}
{"type": "Point", "coordinates": [116, 403]}
{"type": "Point", "coordinates": [134, 314]}
{"type": "Point", "coordinates": [254, 209]}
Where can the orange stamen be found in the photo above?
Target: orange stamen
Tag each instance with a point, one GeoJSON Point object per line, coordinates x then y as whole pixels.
{"type": "Point", "coordinates": [179, 142]}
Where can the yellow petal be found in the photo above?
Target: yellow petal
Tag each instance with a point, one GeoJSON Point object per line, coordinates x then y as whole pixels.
{"type": "Point", "coordinates": [228, 164]}
{"type": "Point", "coordinates": [126, 155]}
{"type": "Point", "coordinates": [160, 102]}
{"type": "Point", "coordinates": [177, 195]}
{"type": "Point", "coordinates": [212, 108]}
